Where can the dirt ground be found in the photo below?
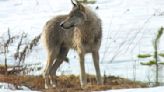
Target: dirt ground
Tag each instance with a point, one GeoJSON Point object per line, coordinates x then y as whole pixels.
{"type": "Point", "coordinates": [71, 83]}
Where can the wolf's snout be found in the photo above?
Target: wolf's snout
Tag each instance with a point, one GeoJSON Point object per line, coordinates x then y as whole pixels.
{"type": "Point", "coordinates": [66, 25]}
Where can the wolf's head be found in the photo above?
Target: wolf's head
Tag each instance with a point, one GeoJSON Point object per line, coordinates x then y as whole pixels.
{"type": "Point", "coordinates": [76, 17]}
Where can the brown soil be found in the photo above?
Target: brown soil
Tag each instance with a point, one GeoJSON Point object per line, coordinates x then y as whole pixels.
{"type": "Point", "coordinates": [71, 83]}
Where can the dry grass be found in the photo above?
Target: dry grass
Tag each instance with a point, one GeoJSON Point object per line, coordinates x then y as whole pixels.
{"type": "Point", "coordinates": [71, 83]}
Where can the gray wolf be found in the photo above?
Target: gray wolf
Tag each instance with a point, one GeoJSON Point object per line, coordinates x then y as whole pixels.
{"type": "Point", "coordinates": [79, 30]}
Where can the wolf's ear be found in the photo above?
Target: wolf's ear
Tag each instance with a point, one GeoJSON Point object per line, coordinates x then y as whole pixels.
{"type": "Point", "coordinates": [78, 4]}
{"type": "Point", "coordinates": [74, 2]}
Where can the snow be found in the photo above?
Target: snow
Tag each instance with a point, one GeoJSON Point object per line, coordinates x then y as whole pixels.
{"type": "Point", "coordinates": [129, 26]}
{"type": "Point", "coordinates": [6, 90]}
{"type": "Point", "coordinates": [6, 87]}
{"type": "Point", "coordinates": [155, 89]}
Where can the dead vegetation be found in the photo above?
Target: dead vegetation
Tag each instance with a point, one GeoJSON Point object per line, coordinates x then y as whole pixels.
{"type": "Point", "coordinates": [71, 83]}
{"type": "Point", "coordinates": [23, 48]}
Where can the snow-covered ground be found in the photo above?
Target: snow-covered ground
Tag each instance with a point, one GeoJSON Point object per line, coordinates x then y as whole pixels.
{"type": "Point", "coordinates": [6, 87]}
{"type": "Point", "coordinates": [156, 89]}
{"type": "Point", "coordinates": [129, 26]}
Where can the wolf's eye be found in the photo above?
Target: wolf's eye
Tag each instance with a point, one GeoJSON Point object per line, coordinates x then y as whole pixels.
{"type": "Point", "coordinates": [79, 14]}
